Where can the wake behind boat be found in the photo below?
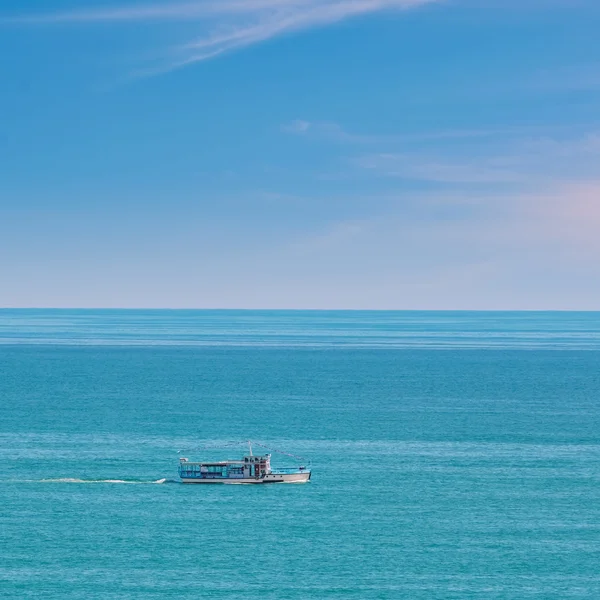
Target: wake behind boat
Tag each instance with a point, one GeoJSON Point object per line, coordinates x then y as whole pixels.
{"type": "Point", "coordinates": [251, 469]}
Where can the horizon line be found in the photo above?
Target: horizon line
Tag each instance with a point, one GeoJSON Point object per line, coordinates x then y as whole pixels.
{"type": "Point", "coordinates": [242, 309]}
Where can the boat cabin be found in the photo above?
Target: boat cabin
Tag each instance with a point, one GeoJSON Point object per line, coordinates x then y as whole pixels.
{"type": "Point", "coordinates": [257, 466]}
{"type": "Point", "coordinates": [250, 467]}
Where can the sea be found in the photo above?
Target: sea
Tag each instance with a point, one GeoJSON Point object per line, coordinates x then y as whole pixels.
{"type": "Point", "coordinates": [454, 455]}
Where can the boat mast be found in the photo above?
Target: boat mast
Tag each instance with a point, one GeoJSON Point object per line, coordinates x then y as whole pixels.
{"type": "Point", "coordinates": [250, 447]}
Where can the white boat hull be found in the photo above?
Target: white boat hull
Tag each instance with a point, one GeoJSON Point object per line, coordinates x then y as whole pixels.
{"type": "Point", "coordinates": [271, 478]}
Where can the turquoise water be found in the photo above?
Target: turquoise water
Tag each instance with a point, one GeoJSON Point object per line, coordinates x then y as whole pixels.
{"type": "Point", "coordinates": [454, 455]}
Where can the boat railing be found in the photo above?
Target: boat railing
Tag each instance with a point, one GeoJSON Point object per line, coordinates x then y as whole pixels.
{"type": "Point", "coordinates": [286, 470]}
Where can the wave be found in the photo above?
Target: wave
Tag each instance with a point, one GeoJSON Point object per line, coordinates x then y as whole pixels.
{"type": "Point", "coordinates": [400, 341]}
{"type": "Point", "coordinates": [302, 329]}
{"type": "Point", "coordinates": [129, 481]}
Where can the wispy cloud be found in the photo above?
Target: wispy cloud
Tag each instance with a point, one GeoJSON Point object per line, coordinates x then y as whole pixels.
{"type": "Point", "coordinates": [296, 127]}
{"type": "Point", "coordinates": [525, 160]}
{"type": "Point", "coordinates": [176, 11]}
{"type": "Point", "coordinates": [331, 131]}
{"type": "Point", "coordinates": [426, 169]}
{"type": "Point", "coordinates": [226, 25]}
{"type": "Point", "coordinates": [506, 251]}
{"type": "Point", "coordinates": [487, 156]}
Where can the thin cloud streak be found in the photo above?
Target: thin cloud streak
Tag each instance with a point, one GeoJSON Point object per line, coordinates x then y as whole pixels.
{"type": "Point", "coordinates": [525, 161]}
{"type": "Point", "coordinates": [412, 168]}
{"type": "Point", "coordinates": [299, 18]}
{"type": "Point", "coordinates": [228, 24]}
{"type": "Point", "coordinates": [330, 131]}
{"type": "Point", "coordinates": [182, 11]}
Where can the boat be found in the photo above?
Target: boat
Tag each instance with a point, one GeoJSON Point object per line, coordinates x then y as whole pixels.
{"type": "Point", "coordinates": [251, 469]}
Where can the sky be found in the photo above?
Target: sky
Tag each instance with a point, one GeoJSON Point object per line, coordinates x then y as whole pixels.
{"type": "Point", "coordinates": [350, 154]}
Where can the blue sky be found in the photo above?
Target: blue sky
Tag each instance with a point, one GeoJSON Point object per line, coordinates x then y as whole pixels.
{"type": "Point", "coordinates": [393, 154]}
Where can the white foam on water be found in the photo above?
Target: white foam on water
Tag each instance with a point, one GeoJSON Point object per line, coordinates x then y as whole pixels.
{"type": "Point", "coordinates": [131, 482]}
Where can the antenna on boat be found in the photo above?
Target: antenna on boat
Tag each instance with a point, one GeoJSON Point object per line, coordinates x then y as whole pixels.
{"type": "Point", "coordinates": [250, 447]}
